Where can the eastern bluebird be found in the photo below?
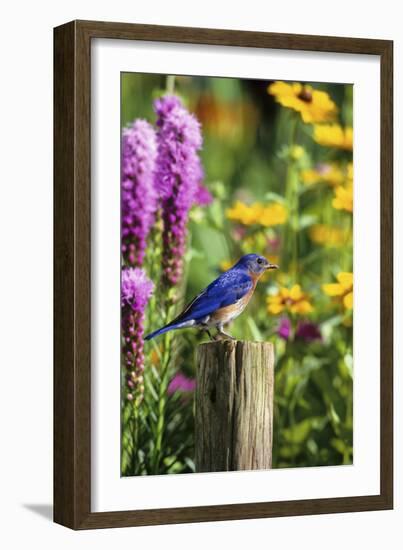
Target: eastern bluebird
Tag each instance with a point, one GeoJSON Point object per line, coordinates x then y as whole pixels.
{"type": "Point", "coordinates": [223, 300]}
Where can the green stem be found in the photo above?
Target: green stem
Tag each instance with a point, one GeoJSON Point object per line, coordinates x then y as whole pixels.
{"type": "Point", "coordinates": [135, 440]}
{"type": "Point", "coordinates": [292, 199]}
{"type": "Point", "coordinates": [170, 84]}
{"type": "Point", "coordinates": [161, 407]}
{"type": "Point", "coordinates": [166, 360]}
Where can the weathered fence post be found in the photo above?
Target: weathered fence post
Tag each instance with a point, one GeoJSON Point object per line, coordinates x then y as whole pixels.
{"type": "Point", "coordinates": [234, 406]}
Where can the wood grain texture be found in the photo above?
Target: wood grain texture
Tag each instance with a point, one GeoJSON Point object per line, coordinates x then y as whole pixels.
{"type": "Point", "coordinates": [72, 288]}
{"type": "Point", "coordinates": [226, 37]}
{"type": "Point", "coordinates": [386, 209]}
{"type": "Point", "coordinates": [234, 406]}
{"type": "Point", "coordinates": [72, 268]}
{"type": "Point", "coordinates": [64, 380]}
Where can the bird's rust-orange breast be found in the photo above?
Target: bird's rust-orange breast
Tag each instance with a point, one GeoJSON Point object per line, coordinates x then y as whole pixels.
{"type": "Point", "coordinates": [226, 314]}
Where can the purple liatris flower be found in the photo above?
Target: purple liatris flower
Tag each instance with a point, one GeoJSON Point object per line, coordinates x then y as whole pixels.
{"type": "Point", "coordinates": [139, 197]}
{"type": "Point", "coordinates": [136, 289]}
{"type": "Point", "coordinates": [178, 176]}
{"type": "Point", "coordinates": [203, 197]}
{"type": "Point", "coordinates": [307, 331]}
{"type": "Point", "coordinates": [181, 383]}
{"type": "Point", "coordinates": [284, 328]}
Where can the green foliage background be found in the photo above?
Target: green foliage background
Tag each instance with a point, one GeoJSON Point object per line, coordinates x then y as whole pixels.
{"type": "Point", "coordinates": [248, 154]}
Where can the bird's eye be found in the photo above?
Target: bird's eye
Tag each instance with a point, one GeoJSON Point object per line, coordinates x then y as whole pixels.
{"type": "Point", "coordinates": [259, 261]}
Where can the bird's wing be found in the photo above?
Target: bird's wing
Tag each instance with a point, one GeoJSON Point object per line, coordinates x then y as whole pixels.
{"type": "Point", "coordinates": [224, 291]}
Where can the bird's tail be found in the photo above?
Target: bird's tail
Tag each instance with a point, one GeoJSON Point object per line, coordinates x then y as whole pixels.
{"type": "Point", "coordinates": [160, 331]}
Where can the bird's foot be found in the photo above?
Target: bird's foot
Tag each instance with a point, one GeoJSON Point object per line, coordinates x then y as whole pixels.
{"type": "Point", "coordinates": [212, 338]}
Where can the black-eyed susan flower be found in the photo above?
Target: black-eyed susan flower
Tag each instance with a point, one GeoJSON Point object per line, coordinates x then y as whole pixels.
{"type": "Point", "coordinates": [313, 105]}
{"type": "Point", "coordinates": [342, 291]}
{"type": "Point", "coordinates": [243, 213]}
{"type": "Point", "coordinates": [257, 214]}
{"type": "Point", "coordinates": [331, 174]}
{"type": "Point", "coordinates": [293, 300]}
{"type": "Point", "coordinates": [273, 214]}
{"type": "Point", "coordinates": [333, 135]}
{"type": "Point", "coordinates": [343, 198]}
{"type": "Point", "coordinates": [328, 235]}
{"type": "Point", "coordinates": [350, 172]}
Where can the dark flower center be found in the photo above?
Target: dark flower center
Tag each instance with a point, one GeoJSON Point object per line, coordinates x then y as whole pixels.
{"type": "Point", "coordinates": [305, 95]}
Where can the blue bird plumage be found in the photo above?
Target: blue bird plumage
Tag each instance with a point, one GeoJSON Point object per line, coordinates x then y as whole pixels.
{"type": "Point", "coordinates": [223, 299]}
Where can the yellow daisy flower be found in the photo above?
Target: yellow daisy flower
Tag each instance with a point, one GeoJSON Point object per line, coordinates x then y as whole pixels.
{"type": "Point", "coordinates": [292, 300]}
{"type": "Point", "coordinates": [313, 105]}
{"type": "Point", "coordinates": [343, 198]}
{"type": "Point", "coordinates": [330, 174]}
{"type": "Point", "coordinates": [342, 291]}
{"type": "Point", "coordinates": [333, 135]}
{"type": "Point", "coordinates": [350, 172]}
{"type": "Point", "coordinates": [273, 214]}
{"type": "Point", "coordinates": [328, 235]}
{"type": "Point", "coordinates": [240, 212]}
{"type": "Point", "coordinates": [257, 213]}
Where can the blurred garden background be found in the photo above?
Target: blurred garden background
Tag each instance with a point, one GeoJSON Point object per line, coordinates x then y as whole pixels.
{"type": "Point", "coordinates": [276, 178]}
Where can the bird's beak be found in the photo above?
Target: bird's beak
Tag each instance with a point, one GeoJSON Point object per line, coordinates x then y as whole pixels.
{"type": "Point", "coordinates": [271, 266]}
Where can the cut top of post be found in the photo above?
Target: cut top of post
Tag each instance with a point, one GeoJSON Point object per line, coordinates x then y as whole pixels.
{"type": "Point", "coordinates": [230, 345]}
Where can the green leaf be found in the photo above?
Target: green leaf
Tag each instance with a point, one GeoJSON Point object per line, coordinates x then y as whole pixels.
{"type": "Point", "coordinates": [299, 432]}
{"type": "Point", "coordinates": [255, 332]}
{"type": "Point", "coordinates": [306, 220]}
{"type": "Point", "coordinates": [275, 197]}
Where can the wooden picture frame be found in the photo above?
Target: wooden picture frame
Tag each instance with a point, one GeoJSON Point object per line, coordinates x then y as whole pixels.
{"type": "Point", "coordinates": [72, 272]}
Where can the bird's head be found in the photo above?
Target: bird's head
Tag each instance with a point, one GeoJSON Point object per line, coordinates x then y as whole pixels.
{"type": "Point", "coordinates": [255, 264]}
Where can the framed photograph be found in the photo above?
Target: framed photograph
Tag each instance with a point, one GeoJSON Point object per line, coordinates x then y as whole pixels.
{"type": "Point", "coordinates": [223, 275]}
